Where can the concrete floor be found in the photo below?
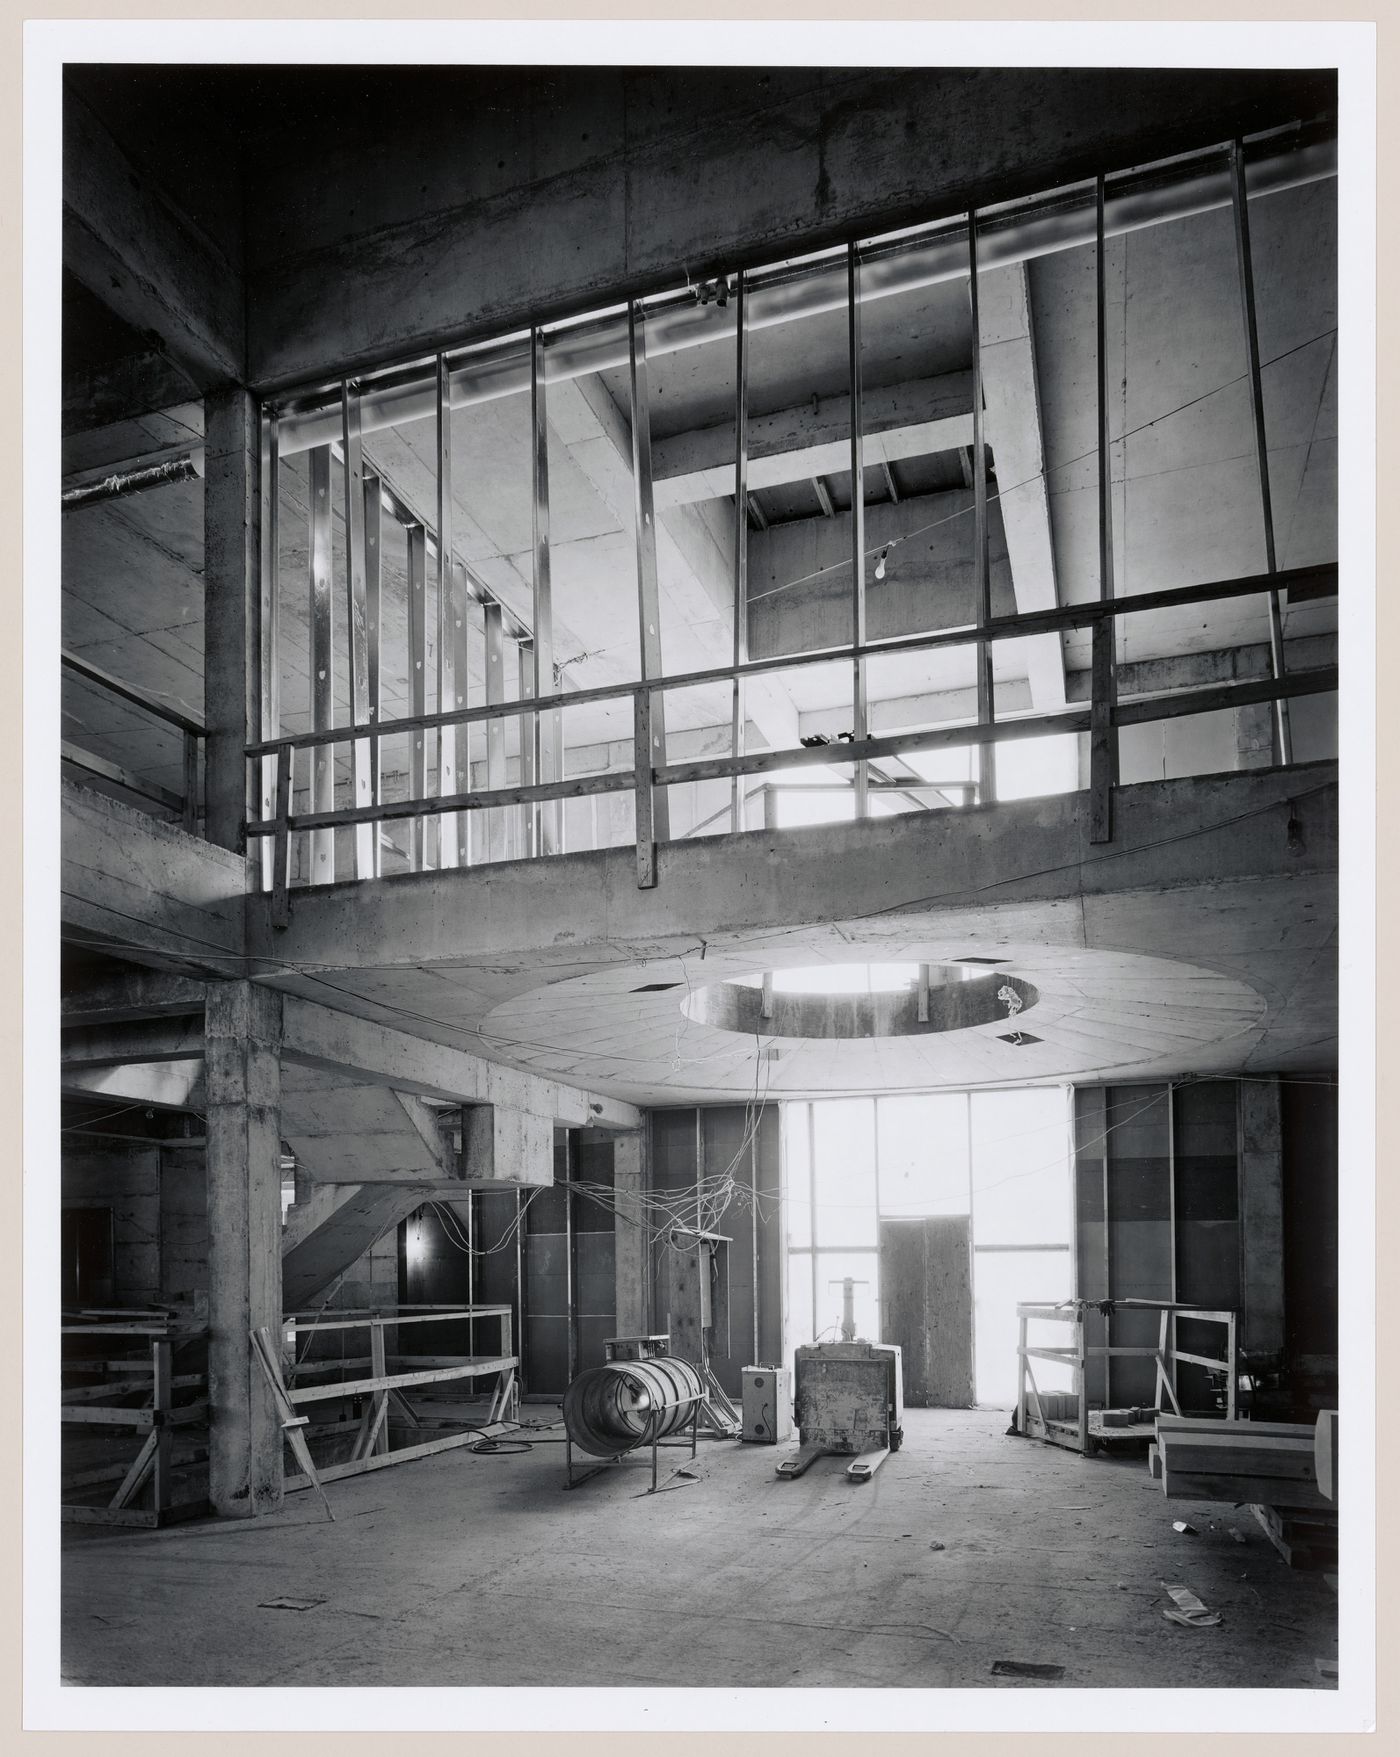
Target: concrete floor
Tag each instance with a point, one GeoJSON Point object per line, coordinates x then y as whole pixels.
{"type": "Point", "coordinates": [967, 1548]}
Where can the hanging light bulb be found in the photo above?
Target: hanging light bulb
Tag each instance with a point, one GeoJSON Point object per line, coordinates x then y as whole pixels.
{"type": "Point", "coordinates": [880, 564]}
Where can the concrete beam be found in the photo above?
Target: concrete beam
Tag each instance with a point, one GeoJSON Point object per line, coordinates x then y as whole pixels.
{"type": "Point", "coordinates": [1012, 393]}
{"type": "Point", "coordinates": [718, 886]}
{"type": "Point", "coordinates": [317, 1037]}
{"type": "Point", "coordinates": [244, 1157]}
{"type": "Point", "coordinates": [790, 445]}
{"type": "Point", "coordinates": [131, 993]}
{"type": "Point", "coordinates": [160, 1085]}
{"type": "Point", "coordinates": [668, 167]}
{"type": "Point", "coordinates": [123, 240]}
{"type": "Point", "coordinates": [503, 1146]}
{"type": "Point", "coordinates": [145, 889]}
{"type": "Point", "coordinates": [142, 1040]}
{"type": "Point", "coordinates": [313, 1259]}
{"type": "Point", "coordinates": [695, 558]}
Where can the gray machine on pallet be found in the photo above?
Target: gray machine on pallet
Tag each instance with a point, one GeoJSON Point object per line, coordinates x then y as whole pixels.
{"type": "Point", "coordinates": [849, 1401]}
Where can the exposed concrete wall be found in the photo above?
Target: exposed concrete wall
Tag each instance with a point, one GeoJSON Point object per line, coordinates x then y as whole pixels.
{"type": "Point", "coordinates": [1261, 1221]}
{"type": "Point", "coordinates": [127, 1180]}
{"type": "Point", "coordinates": [494, 199]}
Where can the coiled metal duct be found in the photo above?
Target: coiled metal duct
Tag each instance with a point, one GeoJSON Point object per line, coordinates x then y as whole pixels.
{"type": "Point", "coordinates": [610, 1409]}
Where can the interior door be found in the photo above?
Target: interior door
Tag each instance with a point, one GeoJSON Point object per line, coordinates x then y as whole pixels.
{"type": "Point", "coordinates": [926, 1305]}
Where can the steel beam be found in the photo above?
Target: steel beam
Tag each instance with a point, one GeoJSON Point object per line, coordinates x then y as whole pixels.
{"type": "Point", "coordinates": [321, 848]}
{"type": "Point", "coordinates": [460, 736]}
{"type": "Point", "coordinates": [648, 594]}
{"type": "Point", "coordinates": [374, 622]}
{"type": "Point", "coordinates": [738, 714]}
{"type": "Point", "coordinates": [447, 616]}
{"type": "Point", "coordinates": [1283, 738]}
{"type": "Point", "coordinates": [1103, 738]}
{"type": "Point", "coordinates": [982, 564]}
{"type": "Point", "coordinates": [547, 732]}
{"type": "Point", "coordinates": [269, 602]}
{"type": "Point", "coordinates": [357, 622]}
{"type": "Point", "coordinates": [417, 542]}
{"type": "Point", "coordinates": [496, 848]}
{"type": "Point", "coordinates": [859, 695]}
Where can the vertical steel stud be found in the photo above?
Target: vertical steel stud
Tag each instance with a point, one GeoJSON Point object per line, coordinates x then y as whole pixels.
{"type": "Point", "coordinates": [357, 624]}
{"type": "Point", "coordinates": [859, 695]}
{"type": "Point", "coordinates": [738, 718]}
{"type": "Point", "coordinates": [1240, 202]}
{"type": "Point", "coordinates": [648, 595]}
{"type": "Point", "coordinates": [322, 842]}
{"type": "Point", "coordinates": [1103, 735]}
{"type": "Point", "coordinates": [982, 563]}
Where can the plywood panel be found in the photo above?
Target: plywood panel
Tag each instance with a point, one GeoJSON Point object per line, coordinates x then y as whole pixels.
{"type": "Point", "coordinates": [926, 1283]}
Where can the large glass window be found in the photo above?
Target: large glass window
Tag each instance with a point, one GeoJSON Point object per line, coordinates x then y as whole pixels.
{"type": "Point", "coordinates": [1002, 1158]}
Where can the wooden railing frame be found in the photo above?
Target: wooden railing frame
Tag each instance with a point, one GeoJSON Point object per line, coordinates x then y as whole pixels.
{"type": "Point", "coordinates": [191, 731]}
{"type": "Point", "coordinates": [645, 778]}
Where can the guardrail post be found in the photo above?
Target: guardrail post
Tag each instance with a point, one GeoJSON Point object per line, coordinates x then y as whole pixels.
{"type": "Point", "coordinates": [645, 783]}
{"type": "Point", "coordinates": [281, 841]}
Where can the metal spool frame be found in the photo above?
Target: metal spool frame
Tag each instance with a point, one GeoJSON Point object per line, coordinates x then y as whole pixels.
{"type": "Point", "coordinates": [611, 1410]}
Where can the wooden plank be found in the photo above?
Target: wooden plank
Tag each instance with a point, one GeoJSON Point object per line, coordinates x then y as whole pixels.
{"type": "Point", "coordinates": [1239, 1490]}
{"type": "Point", "coordinates": [1194, 1454]}
{"type": "Point", "coordinates": [90, 764]}
{"type": "Point", "coordinates": [1180, 1424]}
{"type": "Point", "coordinates": [405, 1455]}
{"type": "Point", "coordinates": [475, 1369]}
{"type": "Point", "coordinates": [1325, 1453]}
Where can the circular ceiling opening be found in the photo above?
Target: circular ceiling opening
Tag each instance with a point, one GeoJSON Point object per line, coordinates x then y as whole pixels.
{"type": "Point", "coordinates": [862, 1000]}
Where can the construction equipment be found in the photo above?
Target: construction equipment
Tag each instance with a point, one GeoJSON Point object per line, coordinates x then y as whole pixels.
{"type": "Point", "coordinates": [767, 1401]}
{"type": "Point", "coordinates": [849, 1400]}
{"type": "Point", "coordinates": [613, 1409]}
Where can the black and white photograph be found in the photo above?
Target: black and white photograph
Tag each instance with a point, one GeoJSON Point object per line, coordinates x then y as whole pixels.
{"type": "Point", "coordinates": [701, 1009]}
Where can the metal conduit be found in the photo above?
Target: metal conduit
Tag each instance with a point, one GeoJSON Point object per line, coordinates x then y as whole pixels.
{"type": "Point", "coordinates": [1063, 221]}
{"type": "Point", "coordinates": [609, 1410]}
{"type": "Point", "coordinates": [182, 469]}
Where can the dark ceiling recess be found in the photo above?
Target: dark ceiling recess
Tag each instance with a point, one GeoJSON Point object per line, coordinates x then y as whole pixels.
{"type": "Point", "coordinates": [981, 960]}
{"type": "Point", "coordinates": [655, 987]}
{"type": "Point", "coordinates": [1019, 1038]}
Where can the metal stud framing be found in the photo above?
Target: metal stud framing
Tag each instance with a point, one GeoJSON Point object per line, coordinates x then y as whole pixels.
{"type": "Point", "coordinates": [321, 869]}
{"type": "Point", "coordinates": [417, 541]}
{"type": "Point", "coordinates": [1103, 736]}
{"type": "Point", "coordinates": [648, 595]}
{"type": "Point", "coordinates": [357, 622]}
{"type": "Point", "coordinates": [446, 643]}
{"type": "Point", "coordinates": [982, 558]}
{"type": "Point", "coordinates": [1283, 740]}
{"type": "Point", "coordinates": [374, 616]}
{"type": "Point", "coordinates": [738, 716]}
{"type": "Point", "coordinates": [269, 604]}
{"type": "Point", "coordinates": [459, 635]}
{"type": "Point", "coordinates": [547, 734]}
{"type": "Point", "coordinates": [860, 707]}
{"type": "Point", "coordinates": [492, 616]}
{"type": "Point", "coordinates": [526, 843]}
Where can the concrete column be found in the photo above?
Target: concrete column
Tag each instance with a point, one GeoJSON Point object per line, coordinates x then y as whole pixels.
{"type": "Point", "coordinates": [231, 608]}
{"type": "Point", "coordinates": [1261, 1221]}
{"type": "Point", "coordinates": [633, 1250]}
{"type": "Point", "coordinates": [242, 1063]}
{"type": "Point", "coordinates": [1254, 736]}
